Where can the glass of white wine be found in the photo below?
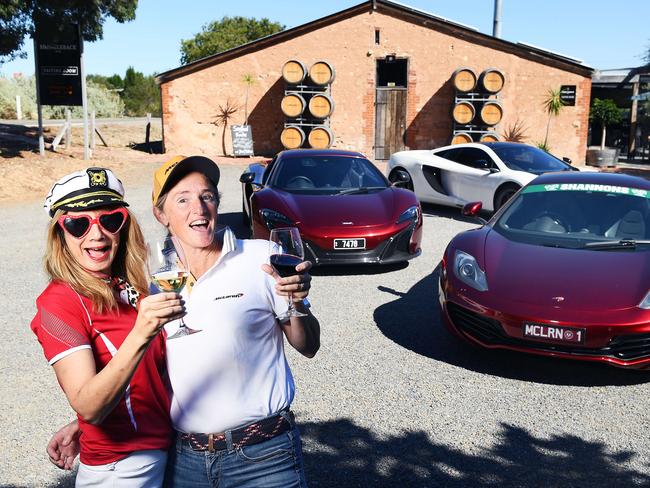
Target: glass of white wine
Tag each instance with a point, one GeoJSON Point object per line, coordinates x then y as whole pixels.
{"type": "Point", "coordinates": [169, 271]}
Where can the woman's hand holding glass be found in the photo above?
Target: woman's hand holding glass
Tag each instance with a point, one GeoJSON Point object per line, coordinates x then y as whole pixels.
{"type": "Point", "coordinates": [155, 311]}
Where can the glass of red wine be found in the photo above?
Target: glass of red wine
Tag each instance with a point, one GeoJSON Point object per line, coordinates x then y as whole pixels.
{"type": "Point", "coordinates": [285, 253]}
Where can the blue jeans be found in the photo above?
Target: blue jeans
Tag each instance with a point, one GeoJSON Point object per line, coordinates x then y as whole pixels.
{"type": "Point", "coordinates": [269, 464]}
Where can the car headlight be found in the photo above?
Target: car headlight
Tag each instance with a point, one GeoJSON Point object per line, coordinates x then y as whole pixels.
{"type": "Point", "coordinates": [645, 303]}
{"type": "Point", "coordinates": [411, 213]}
{"type": "Point", "coordinates": [273, 219]}
{"type": "Point", "coordinates": [468, 271]}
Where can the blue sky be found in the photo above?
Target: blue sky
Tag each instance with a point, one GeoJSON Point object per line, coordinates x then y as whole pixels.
{"type": "Point", "coordinates": [601, 33]}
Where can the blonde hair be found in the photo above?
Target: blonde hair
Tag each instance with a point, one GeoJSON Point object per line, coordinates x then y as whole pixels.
{"type": "Point", "coordinates": [129, 263]}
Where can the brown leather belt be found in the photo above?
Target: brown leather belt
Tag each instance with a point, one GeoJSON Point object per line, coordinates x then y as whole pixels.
{"type": "Point", "coordinates": [254, 433]}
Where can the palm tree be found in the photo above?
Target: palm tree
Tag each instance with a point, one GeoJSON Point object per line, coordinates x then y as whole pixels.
{"type": "Point", "coordinates": [552, 104]}
{"type": "Point", "coordinates": [248, 81]}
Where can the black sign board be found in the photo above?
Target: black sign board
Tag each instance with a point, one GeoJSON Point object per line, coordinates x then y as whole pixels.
{"type": "Point", "coordinates": [242, 140]}
{"type": "Point", "coordinates": [568, 94]}
{"type": "Point", "coordinates": [58, 63]}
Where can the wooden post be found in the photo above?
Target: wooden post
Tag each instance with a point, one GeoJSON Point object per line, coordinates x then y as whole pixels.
{"type": "Point", "coordinates": [147, 134]}
{"type": "Point", "coordinates": [92, 130]}
{"type": "Point", "coordinates": [631, 151]}
{"type": "Point", "coordinates": [68, 129]}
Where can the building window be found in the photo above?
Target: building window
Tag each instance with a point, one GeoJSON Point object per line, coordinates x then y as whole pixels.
{"type": "Point", "coordinates": [377, 37]}
{"type": "Point", "coordinates": [392, 72]}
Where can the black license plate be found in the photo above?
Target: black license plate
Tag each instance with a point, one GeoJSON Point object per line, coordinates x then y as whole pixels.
{"type": "Point", "coordinates": [349, 244]}
{"type": "Point", "coordinates": [555, 333]}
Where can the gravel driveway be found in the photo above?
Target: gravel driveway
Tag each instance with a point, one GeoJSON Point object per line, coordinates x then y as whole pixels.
{"type": "Point", "coordinates": [391, 399]}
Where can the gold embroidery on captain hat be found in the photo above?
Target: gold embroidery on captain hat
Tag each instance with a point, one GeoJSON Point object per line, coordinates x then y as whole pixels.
{"type": "Point", "coordinates": [97, 177]}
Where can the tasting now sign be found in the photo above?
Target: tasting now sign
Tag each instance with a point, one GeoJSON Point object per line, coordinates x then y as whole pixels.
{"type": "Point", "coordinates": [58, 49]}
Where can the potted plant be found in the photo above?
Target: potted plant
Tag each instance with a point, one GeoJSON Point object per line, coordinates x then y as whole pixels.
{"type": "Point", "coordinates": [553, 104]}
{"type": "Point", "coordinates": [605, 112]}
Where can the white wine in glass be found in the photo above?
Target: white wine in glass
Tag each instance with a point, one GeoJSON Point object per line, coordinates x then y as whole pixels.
{"type": "Point", "coordinates": [169, 271]}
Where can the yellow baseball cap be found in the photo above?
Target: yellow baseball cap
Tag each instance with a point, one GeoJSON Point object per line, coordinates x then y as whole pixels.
{"type": "Point", "coordinates": [176, 168]}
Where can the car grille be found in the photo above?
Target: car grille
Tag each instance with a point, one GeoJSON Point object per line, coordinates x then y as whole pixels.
{"type": "Point", "coordinates": [489, 331]}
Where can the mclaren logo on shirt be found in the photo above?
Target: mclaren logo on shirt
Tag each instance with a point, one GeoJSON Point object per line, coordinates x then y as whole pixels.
{"type": "Point", "coordinates": [236, 295]}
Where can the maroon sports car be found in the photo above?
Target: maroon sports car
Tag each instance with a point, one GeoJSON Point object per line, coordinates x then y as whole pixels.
{"type": "Point", "coordinates": [345, 208]}
{"type": "Point", "coordinates": [563, 269]}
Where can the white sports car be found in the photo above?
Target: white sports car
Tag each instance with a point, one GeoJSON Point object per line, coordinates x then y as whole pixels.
{"type": "Point", "coordinates": [489, 172]}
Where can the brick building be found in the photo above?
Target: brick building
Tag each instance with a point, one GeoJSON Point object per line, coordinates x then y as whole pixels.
{"type": "Point", "coordinates": [423, 52]}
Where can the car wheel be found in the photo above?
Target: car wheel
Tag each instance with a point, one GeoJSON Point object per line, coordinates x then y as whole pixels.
{"type": "Point", "coordinates": [401, 175]}
{"type": "Point", "coordinates": [504, 194]}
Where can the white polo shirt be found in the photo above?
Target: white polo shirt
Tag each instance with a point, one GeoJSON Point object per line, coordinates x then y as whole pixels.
{"type": "Point", "coordinates": [234, 371]}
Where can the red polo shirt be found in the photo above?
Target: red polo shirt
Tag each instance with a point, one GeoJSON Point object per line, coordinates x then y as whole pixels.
{"type": "Point", "coordinates": [66, 323]}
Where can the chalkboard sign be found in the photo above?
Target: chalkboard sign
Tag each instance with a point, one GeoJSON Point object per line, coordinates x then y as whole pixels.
{"type": "Point", "coordinates": [242, 140]}
{"type": "Point", "coordinates": [568, 94]}
{"type": "Point", "coordinates": [58, 61]}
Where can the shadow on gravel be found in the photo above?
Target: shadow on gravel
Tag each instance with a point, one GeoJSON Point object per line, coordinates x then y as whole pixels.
{"type": "Point", "coordinates": [341, 454]}
{"type": "Point", "coordinates": [17, 138]}
{"type": "Point", "coordinates": [424, 333]}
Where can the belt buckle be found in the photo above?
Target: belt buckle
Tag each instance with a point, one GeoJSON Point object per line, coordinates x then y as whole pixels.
{"type": "Point", "coordinates": [211, 443]}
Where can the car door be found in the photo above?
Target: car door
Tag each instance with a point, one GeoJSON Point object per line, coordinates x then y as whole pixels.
{"type": "Point", "coordinates": [475, 176]}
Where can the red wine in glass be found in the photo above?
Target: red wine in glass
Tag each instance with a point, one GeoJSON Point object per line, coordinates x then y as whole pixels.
{"type": "Point", "coordinates": [285, 264]}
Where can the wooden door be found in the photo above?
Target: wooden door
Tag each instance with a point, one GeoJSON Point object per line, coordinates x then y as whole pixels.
{"type": "Point", "coordinates": [390, 121]}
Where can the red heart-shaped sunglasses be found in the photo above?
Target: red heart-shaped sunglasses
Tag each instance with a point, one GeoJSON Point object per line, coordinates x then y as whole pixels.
{"type": "Point", "coordinates": [79, 225]}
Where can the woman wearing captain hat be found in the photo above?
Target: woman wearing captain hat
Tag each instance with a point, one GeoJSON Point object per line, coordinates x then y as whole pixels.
{"type": "Point", "coordinates": [100, 336]}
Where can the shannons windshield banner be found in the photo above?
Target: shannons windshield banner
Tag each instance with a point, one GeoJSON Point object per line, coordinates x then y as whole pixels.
{"type": "Point", "coordinates": [587, 187]}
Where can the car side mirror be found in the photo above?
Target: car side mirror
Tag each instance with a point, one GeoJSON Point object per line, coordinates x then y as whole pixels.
{"type": "Point", "coordinates": [473, 209]}
{"type": "Point", "coordinates": [401, 178]}
{"type": "Point", "coordinates": [247, 178]}
{"type": "Point", "coordinates": [567, 160]}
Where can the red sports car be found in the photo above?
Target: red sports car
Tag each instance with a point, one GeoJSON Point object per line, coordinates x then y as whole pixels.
{"type": "Point", "coordinates": [563, 269]}
{"type": "Point", "coordinates": [346, 210]}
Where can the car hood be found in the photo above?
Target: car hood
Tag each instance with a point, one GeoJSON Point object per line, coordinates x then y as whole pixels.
{"type": "Point", "coordinates": [376, 208]}
{"type": "Point", "coordinates": [565, 278]}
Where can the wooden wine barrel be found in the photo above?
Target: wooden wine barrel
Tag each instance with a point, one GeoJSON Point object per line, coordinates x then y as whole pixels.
{"type": "Point", "coordinates": [320, 137]}
{"type": "Point", "coordinates": [293, 105]}
{"type": "Point", "coordinates": [491, 112]}
{"type": "Point", "coordinates": [463, 112]}
{"type": "Point", "coordinates": [461, 138]}
{"type": "Point", "coordinates": [292, 137]}
{"type": "Point", "coordinates": [322, 73]}
{"type": "Point", "coordinates": [294, 72]}
{"type": "Point", "coordinates": [492, 80]}
{"type": "Point", "coordinates": [321, 105]}
{"type": "Point", "coordinates": [464, 79]}
{"type": "Point", "coordinates": [489, 137]}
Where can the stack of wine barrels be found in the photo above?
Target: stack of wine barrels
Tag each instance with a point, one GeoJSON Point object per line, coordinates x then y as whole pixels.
{"type": "Point", "coordinates": [307, 105]}
{"type": "Point", "coordinates": [477, 109]}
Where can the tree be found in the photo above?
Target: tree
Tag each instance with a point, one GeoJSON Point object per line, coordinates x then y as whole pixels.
{"type": "Point", "coordinates": [553, 105]}
{"type": "Point", "coordinates": [606, 113]}
{"type": "Point", "coordinates": [17, 19]}
{"type": "Point", "coordinates": [225, 34]}
{"type": "Point", "coordinates": [141, 94]}
{"type": "Point", "coordinates": [248, 81]}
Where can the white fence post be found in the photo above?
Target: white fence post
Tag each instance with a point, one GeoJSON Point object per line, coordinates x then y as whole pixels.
{"type": "Point", "coordinates": [19, 110]}
{"type": "Point", "coordinates": [92, 129]}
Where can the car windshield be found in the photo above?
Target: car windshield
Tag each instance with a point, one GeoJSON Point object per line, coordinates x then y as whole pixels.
{"type": "Point", "coordinates": [327, 175]}
{"type": "Point", "coordinates": [521, 157]}
{"type": "Point", "coordinates": [579, 215]}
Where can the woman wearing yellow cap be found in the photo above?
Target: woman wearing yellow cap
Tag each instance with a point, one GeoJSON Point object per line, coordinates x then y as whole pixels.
{"type": "Point", "coordinates": [101, 337]}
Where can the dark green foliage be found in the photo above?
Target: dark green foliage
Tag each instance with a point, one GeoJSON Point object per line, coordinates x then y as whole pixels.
{"type": "Point", "coordinates": [605, 112]}
{"type": "Point", "coordinates": [16, 19]}
{"type": "Point", "coordinates": [225, 34]}
{"type": "Point", "coordinates": [141, 95]}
